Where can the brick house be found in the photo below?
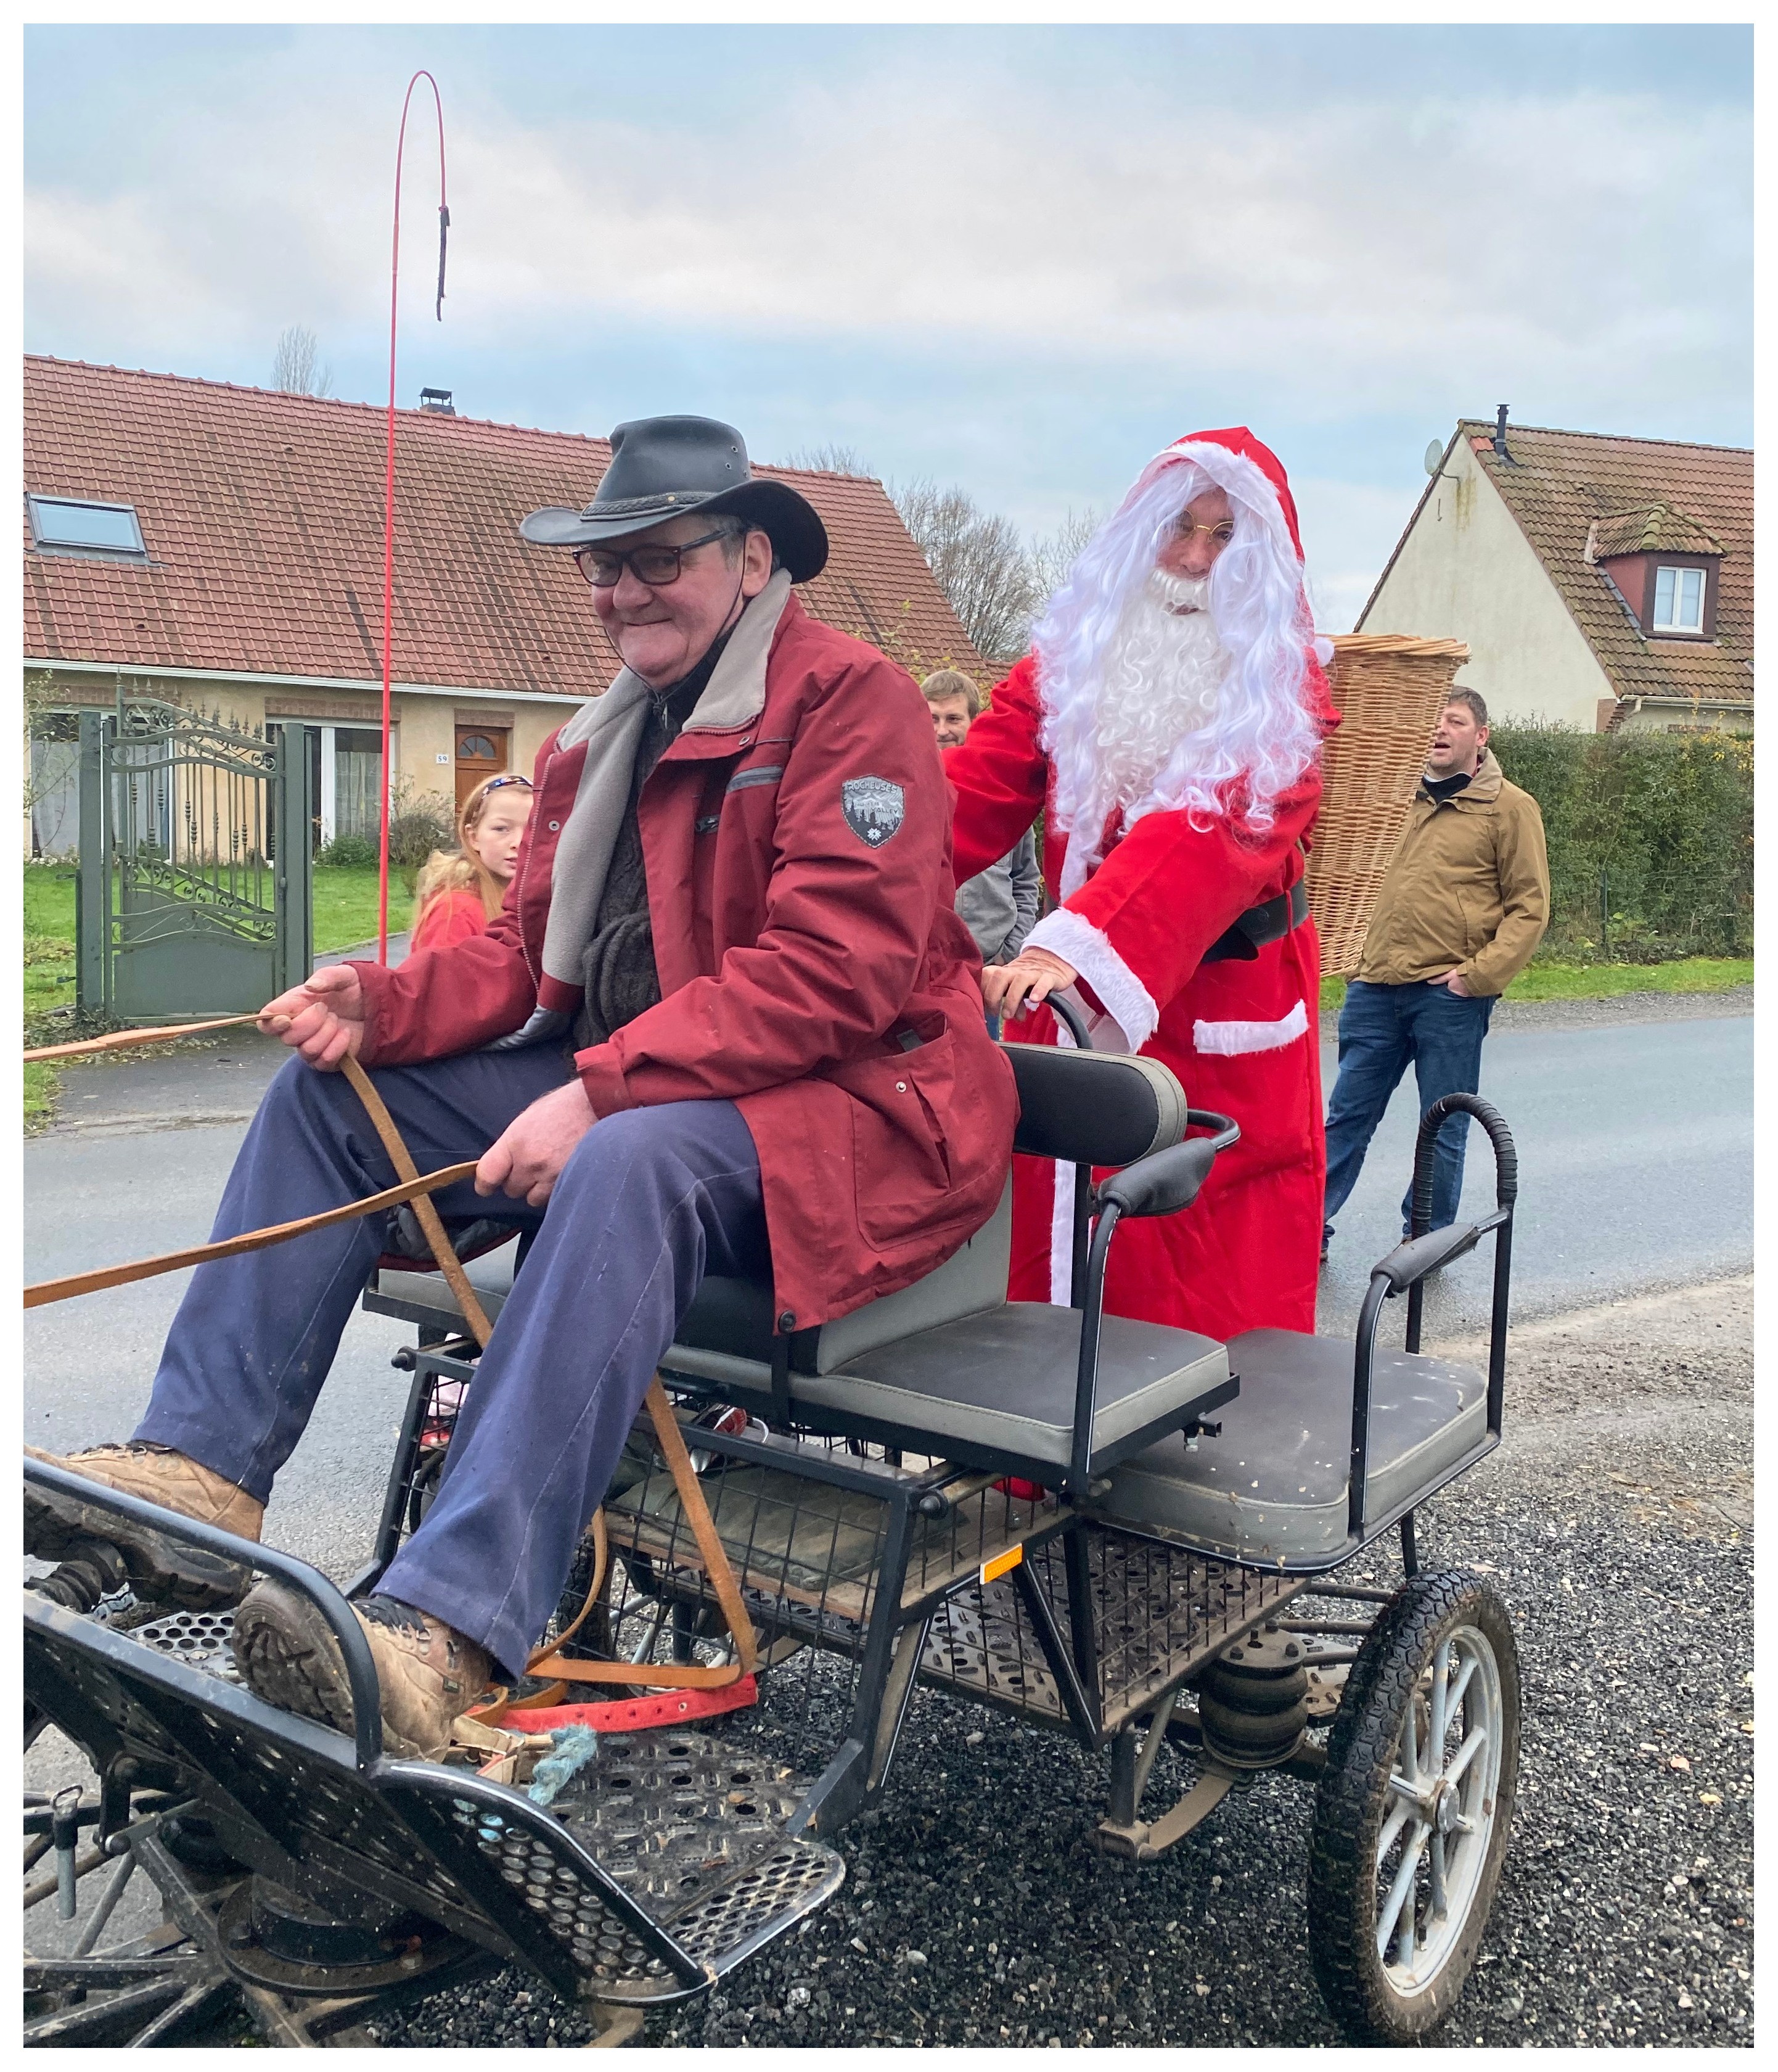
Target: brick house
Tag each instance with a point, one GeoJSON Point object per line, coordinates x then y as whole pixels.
{"type": "Point", "coordinates": [223, 547]}
{"type": "Point", "coordinates": [1600, 583]}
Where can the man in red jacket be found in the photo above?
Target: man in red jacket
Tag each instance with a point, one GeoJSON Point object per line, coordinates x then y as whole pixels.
{"type": "Point", "coordinates": [726, 1021]}
{"type": "Point", "coordinates": [1169, 724]}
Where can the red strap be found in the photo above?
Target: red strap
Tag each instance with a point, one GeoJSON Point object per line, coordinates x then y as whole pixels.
{"type": "Point", "coordinates": [629, 1716]}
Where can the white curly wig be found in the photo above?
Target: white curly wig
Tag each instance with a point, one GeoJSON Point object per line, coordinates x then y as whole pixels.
{"type": "Point", "coordinates": [1262, 734]}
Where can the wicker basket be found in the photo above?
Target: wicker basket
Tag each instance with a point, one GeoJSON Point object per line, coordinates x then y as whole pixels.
{"type": "Point", "coordinates": [1389, 690]}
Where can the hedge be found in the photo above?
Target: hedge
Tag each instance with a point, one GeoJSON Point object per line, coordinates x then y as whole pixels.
{"type": "Point", "coordinates": [1651, 841]}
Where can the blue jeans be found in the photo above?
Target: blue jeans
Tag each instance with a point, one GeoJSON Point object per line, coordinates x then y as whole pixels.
{"type": "Point", "coordinates": [1382, 1030]}
{"type": "Point", "coordinates": [650, 1201]}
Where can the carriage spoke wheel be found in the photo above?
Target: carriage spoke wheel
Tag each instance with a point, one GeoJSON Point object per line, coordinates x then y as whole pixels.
{"type": "Point", "coordinates": [1414, 1808]}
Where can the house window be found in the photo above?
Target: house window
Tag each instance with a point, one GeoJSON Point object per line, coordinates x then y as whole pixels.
{"type": "Point", "coordinates": [357, 778]}
{"type": "Point", "coordinates": [62, 524]}
{"type": "Point", "coordinates": [1678, 601]}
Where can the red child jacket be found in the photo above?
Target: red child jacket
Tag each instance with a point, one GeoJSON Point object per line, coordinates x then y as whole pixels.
{"type": "Point", "coordinates": [452, 917]}
{"type": "Point", "coordinates": [797, 842]}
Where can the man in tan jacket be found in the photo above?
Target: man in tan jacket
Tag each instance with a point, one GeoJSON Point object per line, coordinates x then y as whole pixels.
{"type": "Point", "coordinates": [1465, 903]}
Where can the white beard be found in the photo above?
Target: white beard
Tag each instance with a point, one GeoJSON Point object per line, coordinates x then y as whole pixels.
{"type": "Point", "coordinates": [1160, 686]}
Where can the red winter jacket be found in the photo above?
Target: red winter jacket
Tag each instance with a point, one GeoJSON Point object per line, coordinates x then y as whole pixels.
{"type": "Point", "coordinates": [799, 946]}
{"type": "Point", "coordinates": [450, 917]}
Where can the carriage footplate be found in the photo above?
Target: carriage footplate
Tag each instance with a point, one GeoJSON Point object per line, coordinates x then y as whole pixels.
{"type": "Point", "coordinates": [697, 1830]}
{"type": "Point", "coordinates": [694, 1827]}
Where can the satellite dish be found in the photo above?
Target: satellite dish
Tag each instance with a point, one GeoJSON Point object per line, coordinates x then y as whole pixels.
{"type": "Point", "coordinates": [1434, 454]}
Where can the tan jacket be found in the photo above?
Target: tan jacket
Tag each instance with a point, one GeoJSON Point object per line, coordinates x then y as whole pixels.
{"type": "Point", "coordinates": [1469, 890]}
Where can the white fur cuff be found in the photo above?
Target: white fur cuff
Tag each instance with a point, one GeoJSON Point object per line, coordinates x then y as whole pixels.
{"type": "Point", "coordinates": [1238, 1039]}
{"type": "Point", "coordinates": [1076, 941]}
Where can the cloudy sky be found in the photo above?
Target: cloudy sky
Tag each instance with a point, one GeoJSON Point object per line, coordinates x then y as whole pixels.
{"type": "Point", "coordinates": [1016, 259]}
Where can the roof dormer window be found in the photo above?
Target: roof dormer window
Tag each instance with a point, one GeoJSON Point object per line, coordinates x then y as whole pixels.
{"type": "Point", "coordinates": [1661, 563]}
{"type": "Point", "coordinates": [72, 526]}
{"type": "Point", "coordinates": [1679, 600]}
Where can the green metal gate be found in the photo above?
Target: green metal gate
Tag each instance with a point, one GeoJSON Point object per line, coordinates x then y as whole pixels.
{"type": "Point", "coordinates": [190, 899]}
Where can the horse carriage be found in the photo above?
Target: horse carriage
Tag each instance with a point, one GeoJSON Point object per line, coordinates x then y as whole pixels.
{"type": "Point", "coordinates": [1116, 1531]}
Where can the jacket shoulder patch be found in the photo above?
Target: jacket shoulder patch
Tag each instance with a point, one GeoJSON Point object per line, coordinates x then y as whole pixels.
{"type": "Point", "coordinates": [874, 808]}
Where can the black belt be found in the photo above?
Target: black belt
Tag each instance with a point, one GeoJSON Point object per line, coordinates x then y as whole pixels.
{"type": "Point", "coordinates": [1268, 923]}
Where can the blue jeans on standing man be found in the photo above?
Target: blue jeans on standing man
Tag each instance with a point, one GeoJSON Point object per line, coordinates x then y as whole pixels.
{"type": "Point", "coordinates": [1383, 1028]}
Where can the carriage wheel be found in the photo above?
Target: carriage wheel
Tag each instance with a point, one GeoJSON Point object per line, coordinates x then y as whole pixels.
{"type": "Point", "coordinates": [1413, 1810]}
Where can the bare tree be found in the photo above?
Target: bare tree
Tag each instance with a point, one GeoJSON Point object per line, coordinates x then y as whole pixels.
{"type": "Point", "coordinates": [834, 460]}
{"type": "Point", "coordinates": [979, 561]}
{"type": "Point", "coordinates": [295, 367]}
{"type": "Point", "coordinates": [1054, 554]}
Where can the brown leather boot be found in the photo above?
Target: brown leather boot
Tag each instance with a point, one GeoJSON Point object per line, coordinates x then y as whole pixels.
{"type": "Point", "coordinates": [161, 1569]}
{"type": "Point", "coordinates": [287, 1654]}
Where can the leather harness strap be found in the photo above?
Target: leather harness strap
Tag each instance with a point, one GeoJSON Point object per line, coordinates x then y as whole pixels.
{"type": "Point", "coordinates": [448, 1264]}
{"type": "Point", "coordinates": [227, 1247]}
{"type": "Point", "coordinates": [123, 1039]}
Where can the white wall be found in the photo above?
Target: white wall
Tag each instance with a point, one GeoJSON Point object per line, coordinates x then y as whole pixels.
{"type": "Point", "coordinates": [1466, 572]}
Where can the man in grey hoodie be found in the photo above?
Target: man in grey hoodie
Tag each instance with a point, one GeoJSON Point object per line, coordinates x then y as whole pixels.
{"type": "Point", "coordinates": [999, 906]}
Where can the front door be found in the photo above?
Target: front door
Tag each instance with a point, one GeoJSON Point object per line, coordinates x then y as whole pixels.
{"type": "Point", "coordinates": [481, 752]}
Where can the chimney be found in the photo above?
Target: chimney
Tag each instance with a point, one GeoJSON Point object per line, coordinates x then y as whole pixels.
{"type": "Point", "coordinates": [438, 401]}
{"type": "Point", "coordinates": [1500, 433]}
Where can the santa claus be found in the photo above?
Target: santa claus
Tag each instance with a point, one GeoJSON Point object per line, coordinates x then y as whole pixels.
{"type": "Point", "coordinates": [1168, 723]}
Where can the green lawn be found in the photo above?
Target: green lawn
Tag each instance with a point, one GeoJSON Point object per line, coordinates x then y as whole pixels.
{"type": "Point", "coordinates": [345, 907]}
{"type": "Point", "coordinates": [1606, 981]}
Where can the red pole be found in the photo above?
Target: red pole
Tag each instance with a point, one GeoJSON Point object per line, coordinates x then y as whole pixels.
{"type": "Point", "coordinates": [389, 484]}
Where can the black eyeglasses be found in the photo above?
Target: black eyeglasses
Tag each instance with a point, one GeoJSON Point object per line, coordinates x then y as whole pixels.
{"type": "Point", "coordinates": [603, 567]}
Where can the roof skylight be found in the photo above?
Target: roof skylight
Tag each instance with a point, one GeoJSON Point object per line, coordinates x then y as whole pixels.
{"type": "Point", "coordinates": [81, 527]}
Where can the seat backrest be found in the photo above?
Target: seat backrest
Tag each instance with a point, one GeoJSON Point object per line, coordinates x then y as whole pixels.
{"type": "Point", "coordinates": [973, 1279]}
{"type": "Point", "coordinates": [1093, 1108]}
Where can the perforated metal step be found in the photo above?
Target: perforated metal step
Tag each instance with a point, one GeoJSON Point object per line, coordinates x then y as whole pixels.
{"type": "Point", "coordinates": [1158, 1613]}
{"type": "Point", "coordinates": [694, 1826]}
{"type": "Point", "coordinates": [201, 1640]}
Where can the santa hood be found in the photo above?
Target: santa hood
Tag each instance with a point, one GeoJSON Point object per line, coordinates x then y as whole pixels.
{"type": "Point", "coordinates": [1243, 466]}
{"type": "Point", "coordinates": [1246, 469]}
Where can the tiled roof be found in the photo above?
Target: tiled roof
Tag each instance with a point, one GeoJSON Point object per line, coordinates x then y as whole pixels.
{"type": "Point", "coordinates": [1660, 529]}
{"type": "Point", "coordinates": [1556, 484]}
{"type": "Point", "coordinates": [262, 514]}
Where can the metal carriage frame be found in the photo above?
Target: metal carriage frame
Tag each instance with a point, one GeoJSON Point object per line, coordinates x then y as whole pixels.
{"type": "Point", "coordinates": [870, 1562]}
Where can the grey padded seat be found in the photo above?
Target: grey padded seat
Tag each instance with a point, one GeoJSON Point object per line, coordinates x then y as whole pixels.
{"type": "Point", "coordinates": [1272, 1489]}
{"type": "Point", "coordinates": [949, 1357]}
{"type": "Point", "coordinates": [1002, 1380]}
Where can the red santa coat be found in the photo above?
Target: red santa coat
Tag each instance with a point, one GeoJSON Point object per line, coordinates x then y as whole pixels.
{"type": "Point", "coordinates": [797, 949]}
{"type": "Point", "coordinates": [1241, 1035]}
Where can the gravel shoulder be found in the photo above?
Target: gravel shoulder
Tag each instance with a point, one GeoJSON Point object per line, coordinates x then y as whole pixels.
{"type": "Point", "coordinates": [1614, 1520]}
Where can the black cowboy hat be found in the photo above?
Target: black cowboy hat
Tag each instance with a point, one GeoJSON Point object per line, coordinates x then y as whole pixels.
{"type": "Point", "coordinates": [669, 467]}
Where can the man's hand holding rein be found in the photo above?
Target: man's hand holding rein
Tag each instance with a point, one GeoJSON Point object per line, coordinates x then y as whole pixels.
{"type": "Point", "coordinates": [322, 1019]}
{"type": "Point", "coordinates": [525, 1160]}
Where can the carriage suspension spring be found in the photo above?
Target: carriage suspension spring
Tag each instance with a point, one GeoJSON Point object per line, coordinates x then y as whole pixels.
{"type": "Point", "coordinates": [1253, 1701]}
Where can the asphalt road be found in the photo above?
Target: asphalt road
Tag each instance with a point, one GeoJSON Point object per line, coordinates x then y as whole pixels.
{"type": "Point", "coordinates": [1635, 1168]}
{"type": "Point", "coordinates": [1635, 1141]}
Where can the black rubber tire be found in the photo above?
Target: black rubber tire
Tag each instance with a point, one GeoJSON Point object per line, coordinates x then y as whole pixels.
{"type": "Point", "coordinates": [1352, 1799]}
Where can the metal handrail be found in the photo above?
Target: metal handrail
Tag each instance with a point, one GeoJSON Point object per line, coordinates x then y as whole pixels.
{"type": "Point", "coordinates": [1091, 1304]}
{"type": "Point", "coordinates": [1506, 1173]}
